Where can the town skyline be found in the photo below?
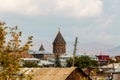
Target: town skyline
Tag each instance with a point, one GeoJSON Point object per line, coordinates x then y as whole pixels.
{"type": "Point", "coordinates": [95, 22]}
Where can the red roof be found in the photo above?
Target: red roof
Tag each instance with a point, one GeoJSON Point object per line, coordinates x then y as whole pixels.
{"type": "Point", "coordinates": [25, 55]}
{"type": "Point", "coordinates": [103, 57]}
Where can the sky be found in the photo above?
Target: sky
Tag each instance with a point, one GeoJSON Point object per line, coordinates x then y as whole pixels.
{"type": "Point", "coordinates": [92, 21]}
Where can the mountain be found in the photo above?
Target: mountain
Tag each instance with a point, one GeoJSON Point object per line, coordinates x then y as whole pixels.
{"type": "Point", "coordinates": [115, 50]}
{"type": "Point", "coordinates": [91, 48]}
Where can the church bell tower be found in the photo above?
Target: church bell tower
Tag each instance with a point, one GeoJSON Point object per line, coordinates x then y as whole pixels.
{"type": "Point", "coordinates": [59, 44]}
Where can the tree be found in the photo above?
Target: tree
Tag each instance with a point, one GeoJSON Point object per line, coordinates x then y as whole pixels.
{"type": "Point", "coordinates": [112, 60]}
{"type": "Point", "coordinates": [82, 62]}
{"type": "Point", "coordinates": [57, 61]}
{"type": "Point", "coordinates": [10, 52]}
{"type": "Point", "coordinates": [30, 64]}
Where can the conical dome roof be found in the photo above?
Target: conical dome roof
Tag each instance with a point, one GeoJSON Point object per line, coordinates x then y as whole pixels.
{"type": "Point", "coordinates": [42, 48]}
{"type": "Point", "coordinates": [59, 39]}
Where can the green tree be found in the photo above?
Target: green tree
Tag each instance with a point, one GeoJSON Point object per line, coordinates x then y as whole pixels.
{"type": "Point", "coordinates": [94, 63]}
{"type": "Point", "coordinates": [30, 64]}
{"type": "Point", "coordinates": [9, 52]}
{"type": "Point", "coordinates": [57, 61]}
{"type": "Point", "coordinates": [82, 62]}
{"type": "Point", "coordinates": [27, 45]}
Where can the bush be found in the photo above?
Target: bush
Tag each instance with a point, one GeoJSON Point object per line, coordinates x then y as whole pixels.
{"type": "Point", "coordinates": [30, 64]}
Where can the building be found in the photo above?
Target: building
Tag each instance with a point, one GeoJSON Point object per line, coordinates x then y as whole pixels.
{"type": "Point", "coordinates": [62, 60]}
{"type": "Point", "coordinates": [117, 58]}
{"type": "Point", "coordinates": [41, 63]}
{"type": "Point", "coordinates": [41, 53]}
{"type": "Point", "coordinates": [71, 73]}
{"type": "Point", "coordinates": [59, 44]}
{"type": "Point", "coordinates": [26, 55]}
{"type": "Point", "coordinates": [103, 59]}
{"type": "Point", "coordinates": [44, 63]}
{"type": "Point", "coordinates": [34, 60]}
{"type": "Point", "coordinates": [93, 57]}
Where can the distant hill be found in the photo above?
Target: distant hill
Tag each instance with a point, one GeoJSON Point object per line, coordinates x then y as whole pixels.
{"type": "Point", "coordinates": [92, 48]}
{"type": "Point", "coordinates": [115, 50]}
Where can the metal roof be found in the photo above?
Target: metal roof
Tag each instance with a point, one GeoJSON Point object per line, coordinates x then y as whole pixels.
{"type": "Point", "coordinates": [116, 65]}
{"type": "Point", "coordinates": [38, 52]}
{"type": "Point", "coordinates": [50, 73]}
{"type": "Point", "coordinates": [30, 59]}
{"type": "Point", "coordinates": [59, 39]}
{"type": "Point", "coordinates": [116, 70]}
{"type": "Point", "coordinates": [45, 62]}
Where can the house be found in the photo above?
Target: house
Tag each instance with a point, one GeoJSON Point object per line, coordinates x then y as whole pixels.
{"type": "Point", "coordinates": [41, 54]}
{"type": "Point", "coordinates": [44, 63]}
{"type": "Point", "coordinates": [27, 60]}
{"type": "Point", "coordinates": [26, 55]}
{"type": "Point", "coordinates": [71, 73]}
{"type": "Point", "coordinates": [93, 57]}
{"type": "Point", "coordinates": [62, 59]}
{"type": "Point", "coordinates": [41, 63]}
{"type": "Point", "coordinates": [34, 60]}
{"type": "Point", "coordinates": [111, 66]}
{"type": "Point", "coordinates": [103, 59]}
{"type": "Point", "coordinates": [117, 58]}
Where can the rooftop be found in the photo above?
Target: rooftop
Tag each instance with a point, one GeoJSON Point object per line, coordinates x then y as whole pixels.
{"type": "Point", "coordinates": [42, 48]}
{"type": "Point", "coordinates": [38, 52]}
{"type": "Point", "coordinates": [50, 73]}
{"type": "Point", "coordinates": [59, 39]}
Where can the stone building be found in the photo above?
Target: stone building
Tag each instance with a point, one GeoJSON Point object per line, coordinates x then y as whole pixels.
{"type": "Point", "coordinates": [59, 44]}
{"type": "Point", "coordinates": [117, 58]}
{"type": "Point", "coordinates": [41, 53]}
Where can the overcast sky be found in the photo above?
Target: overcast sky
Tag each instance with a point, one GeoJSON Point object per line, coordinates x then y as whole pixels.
{"type": "Point", "coordinates": [91, 20]}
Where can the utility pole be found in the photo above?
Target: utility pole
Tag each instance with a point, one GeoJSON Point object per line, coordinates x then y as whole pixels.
{"type": "Point", "coordinates": [74, 52]}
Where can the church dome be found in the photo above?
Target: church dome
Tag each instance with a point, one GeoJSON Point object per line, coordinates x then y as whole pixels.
{"type": "Point", "coordinates": [59, 39]}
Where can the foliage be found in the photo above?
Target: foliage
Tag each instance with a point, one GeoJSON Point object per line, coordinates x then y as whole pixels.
{"type": "Point", "coordinates": [57, 61]}
{"type": "Point", "coordinates": [27, 45]}
{"type": "Point", "coordinates": [82, 62]}
{"type": "Point", "coordinates": [30, 64]}
{"type": "Point", "coordinates": [10, 52]}
{"type": "Point", "coordinates": [112, 60]}
{"type": "Point", "coordinates": [94, 63]}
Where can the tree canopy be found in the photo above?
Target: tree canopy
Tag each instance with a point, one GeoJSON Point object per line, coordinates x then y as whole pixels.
{"type": "Point", "coordinates": [30, 64]}
{"type": "Point", "coordinates": [82, 62]}
{"type": "Point", "coordinates": [57, 61]}
{"type": "Point", "coordinates": [10, 51]}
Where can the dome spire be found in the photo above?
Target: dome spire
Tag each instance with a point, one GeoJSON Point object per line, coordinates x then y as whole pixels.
{"type": "Point", "coordinates": [41, 48]}
{"type": "Point", "coordinates": [59, 38]}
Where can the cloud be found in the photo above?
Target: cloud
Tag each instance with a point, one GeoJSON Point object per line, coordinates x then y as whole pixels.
{"type": "Point", "coordinates": [80, 8]}
{"type": "Point", "coordinates": [23, 7]}
{"type": "Point", "coordinates": [96, 31]}
{"type": "Point", "coordinates": [68, 8]}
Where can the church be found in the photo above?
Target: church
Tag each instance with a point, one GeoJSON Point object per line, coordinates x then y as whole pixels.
{"type": "Point", "coordinates": [59, 48]}
{"type": "Point", "coordinates": [59, 44]}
